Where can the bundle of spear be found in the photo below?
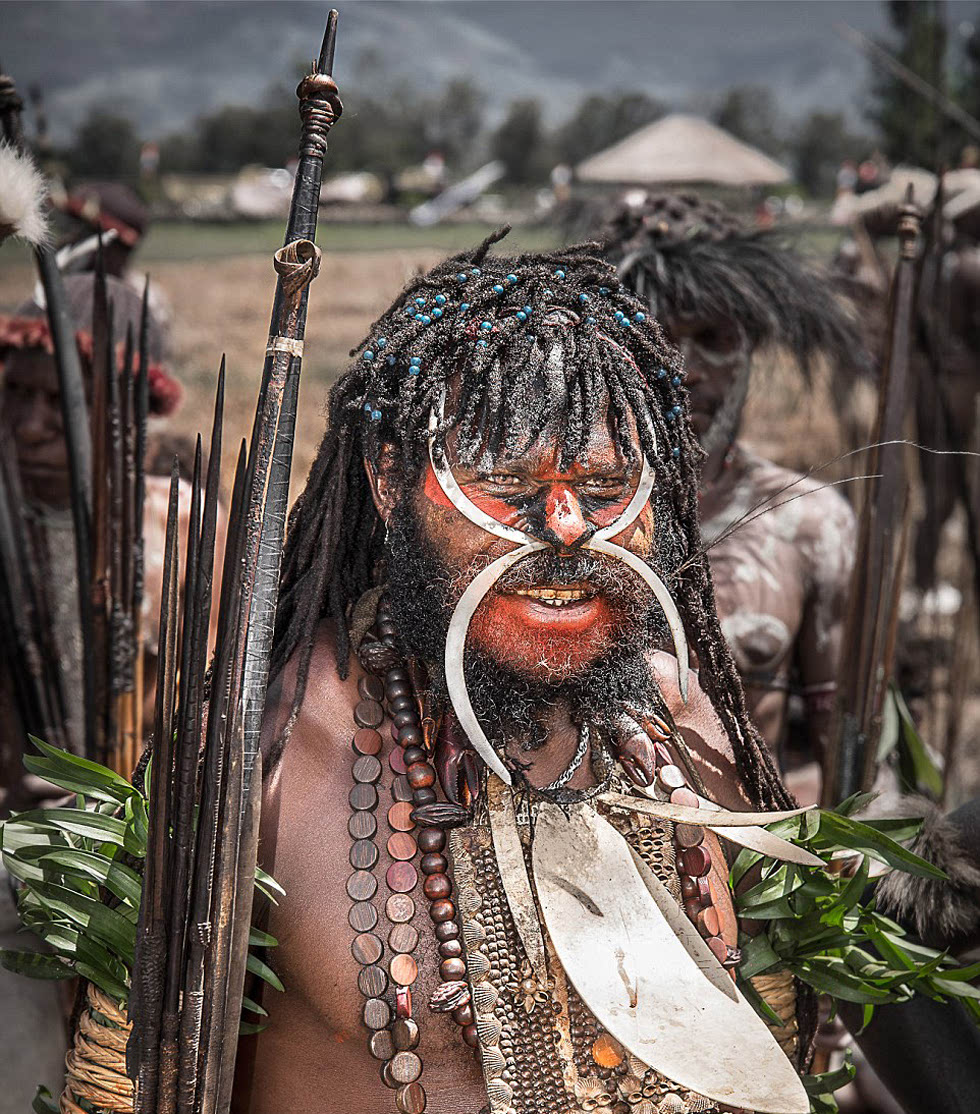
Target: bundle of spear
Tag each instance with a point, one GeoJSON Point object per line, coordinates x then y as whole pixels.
{"type": "Point", "coordinates": [105, 452]}
{"type": "Point", "coordinates": [192, 936]}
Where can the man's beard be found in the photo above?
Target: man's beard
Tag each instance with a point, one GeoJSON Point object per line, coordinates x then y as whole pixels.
{"type": "Point", "coordinates": [510, 704]}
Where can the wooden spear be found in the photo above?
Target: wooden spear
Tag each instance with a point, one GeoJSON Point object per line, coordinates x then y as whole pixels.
{"type": "Point", "coordinates": [872, 615]}
{"type": "Point", "coordinates": [297, 264]}
{"type": "Point", "coordinates": [149, 967]}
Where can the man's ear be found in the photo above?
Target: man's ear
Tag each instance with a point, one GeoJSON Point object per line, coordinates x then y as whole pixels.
{"type": "Point", "coordinates": [383, 477]}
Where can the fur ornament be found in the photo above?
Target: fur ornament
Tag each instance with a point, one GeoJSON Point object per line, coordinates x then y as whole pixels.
{"type": "Point", "coordinates": [941, 913]}
{"type": "Point", "coordinates": [23, 193]}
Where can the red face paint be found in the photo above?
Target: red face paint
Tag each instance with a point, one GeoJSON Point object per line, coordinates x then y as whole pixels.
{"type": "Point", "coordinates": [542, 640]}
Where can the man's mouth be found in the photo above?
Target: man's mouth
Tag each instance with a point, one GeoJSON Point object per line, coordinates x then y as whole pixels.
{"type": "Point", "coordinates": [556, 596]}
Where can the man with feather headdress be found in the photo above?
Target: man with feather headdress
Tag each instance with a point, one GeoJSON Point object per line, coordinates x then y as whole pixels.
{"type": "Point", "coordinates": [780, 544]}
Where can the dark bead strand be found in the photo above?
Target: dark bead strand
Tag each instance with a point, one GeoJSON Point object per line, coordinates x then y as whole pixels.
{"type": "Point", "coordinates": [403, 706]}
{"type": "Point", "coordinates": [394, 1034]}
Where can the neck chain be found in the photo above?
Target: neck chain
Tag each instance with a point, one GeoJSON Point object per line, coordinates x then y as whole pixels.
{"type": "Point", "coordinates": [580, 751]}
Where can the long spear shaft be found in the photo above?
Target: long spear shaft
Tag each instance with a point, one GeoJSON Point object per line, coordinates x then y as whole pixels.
{"type": "Point", "coordinates": [185, 797]}
{"type": "Point", "coordinates": [296, 265]}
{"type": "Point", "coordinates": [869, 628]}
{"type": "Point", "coordinates": [149, 967]}
{"type": "Point", "coordinates": [74, 417]}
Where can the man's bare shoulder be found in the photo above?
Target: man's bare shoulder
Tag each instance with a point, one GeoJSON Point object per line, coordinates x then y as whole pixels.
{"type": "Point", "coordinates": [324, 717]}
{"type": "Point", "coordinates": [703, 732]}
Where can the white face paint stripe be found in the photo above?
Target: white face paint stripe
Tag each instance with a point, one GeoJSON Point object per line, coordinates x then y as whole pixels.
{"type": "Point", "coordinates": [466, 507]}
{"type": "Point", "coordinates": [639, 500]}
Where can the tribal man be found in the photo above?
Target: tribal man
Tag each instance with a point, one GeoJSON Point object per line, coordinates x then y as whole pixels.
{"type": "Point", "coordinates": [473, 919]}
{"type": "Point", "coordinates": [781, 562]}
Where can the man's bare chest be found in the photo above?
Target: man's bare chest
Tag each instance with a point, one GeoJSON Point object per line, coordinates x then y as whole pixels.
{"type": "Point", "coordinates": [358, 951]}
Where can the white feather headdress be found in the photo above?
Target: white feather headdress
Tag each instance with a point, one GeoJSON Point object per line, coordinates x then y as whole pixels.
{"type": "Point", "coordinates": [23, 192]}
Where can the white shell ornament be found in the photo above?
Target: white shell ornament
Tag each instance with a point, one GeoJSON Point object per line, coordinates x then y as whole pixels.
{"type": "Point", "coordinates": [646, 986]}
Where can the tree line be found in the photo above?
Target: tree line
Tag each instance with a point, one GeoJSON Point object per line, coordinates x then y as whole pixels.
{"type": "Point", "coordinates": [387, 132]}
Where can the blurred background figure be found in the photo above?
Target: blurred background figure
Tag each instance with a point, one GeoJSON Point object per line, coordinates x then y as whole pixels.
{"type": "Point", "coordinates": [780, 544]}
{"type": "Point", "coordinates": [31, 418]}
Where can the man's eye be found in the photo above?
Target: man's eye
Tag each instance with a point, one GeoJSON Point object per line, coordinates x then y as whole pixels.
{"type": "Point", "coordinates": [499, 479]}
{"type": "Point", "coordinates": [602, 486]}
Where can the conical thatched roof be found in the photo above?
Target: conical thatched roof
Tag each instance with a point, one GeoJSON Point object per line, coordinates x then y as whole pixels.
{"type": "Point", "coordinates": [678, 149]}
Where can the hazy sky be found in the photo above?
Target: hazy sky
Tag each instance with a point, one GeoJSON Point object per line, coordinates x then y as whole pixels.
{"type": "Point", "coordinates": [164, 61]}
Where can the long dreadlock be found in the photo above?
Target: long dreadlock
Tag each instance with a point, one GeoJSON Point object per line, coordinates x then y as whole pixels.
{"type": "Point", "coordinates": [683, 254]}
{"type": "Point", "coordinates": [490, 324]}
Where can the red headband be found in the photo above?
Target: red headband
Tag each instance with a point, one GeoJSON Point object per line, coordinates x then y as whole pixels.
{"type": "Point", "coordinates": [34, 332]}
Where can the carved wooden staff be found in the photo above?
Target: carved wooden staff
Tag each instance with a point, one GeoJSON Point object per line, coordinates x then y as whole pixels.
{"type": "Point", "coordinates": [871, 620]}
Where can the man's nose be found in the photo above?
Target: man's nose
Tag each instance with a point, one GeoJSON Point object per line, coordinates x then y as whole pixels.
{"type": "Point", "coordinates": [565, 524]}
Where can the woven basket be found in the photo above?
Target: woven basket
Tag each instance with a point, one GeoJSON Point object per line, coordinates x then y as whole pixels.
{"type": "Point", "coordinates": [96, 1063]}
{"type": "Point", "coordinates": [778, 991]}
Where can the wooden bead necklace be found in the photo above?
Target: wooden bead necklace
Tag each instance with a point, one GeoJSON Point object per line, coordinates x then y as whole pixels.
{"type": "Point", "coordinates": [418, 826]}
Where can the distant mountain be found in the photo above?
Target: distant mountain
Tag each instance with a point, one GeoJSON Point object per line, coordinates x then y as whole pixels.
{"type": "Point", "coordinates": [163, 63]}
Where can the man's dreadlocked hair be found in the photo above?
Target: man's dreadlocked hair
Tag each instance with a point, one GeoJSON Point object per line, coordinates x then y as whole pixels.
{"type": "Point", "coordinates": [683, 254]}
{"type": "Point", "coordinates": [490, 325]}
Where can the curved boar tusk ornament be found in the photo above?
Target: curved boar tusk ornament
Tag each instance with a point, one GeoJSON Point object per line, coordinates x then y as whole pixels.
{"type": "Point", "coordinates": [653, 991]}
{"type": "Point", "coordinates": [481, 585]}
{"type": "Point", "coordinates": [456, 643]}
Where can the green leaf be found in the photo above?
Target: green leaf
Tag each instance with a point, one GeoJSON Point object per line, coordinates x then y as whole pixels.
{"type": "Point", "coordinates": [925, 776]}
{"type": "Point", "coordinates": [955, 988]}
{"type": "Point", "coordinates": [855, 803]}
{"type": "Point", "coordinates": [829, 976]}
{"type": "Point", "coordinates": [76, 947]}
{"type": "Point", "coordinates": [90, 916]}
{"type": "Point", "coordinates": [759, 1004]}
{"type": "Point", "coordinates": [118, 878]}
{"type": "Point", "coordinates": [268, 885]}
{"type": "Point", "coordinates": [43, 1103]}
{"type": "Point", "coordinates": [962, 974]}
{"type": "Point", "coordinates": [86, 777]}
{"type": "Point", "coordinates": [771, 910]}
{"type": "Point", "coordinates": [780, 884]}
{"type": "Point", "coordinates": [891, 951]}
{"type": "Point", "coordinates": [250, 1029]}
{"type": "Point", "coordinates": [263, 971]}
{"type": "Point", "coordinates": [134, 839]}
{"type": "Point", "coordinates": [35, 965]}
{"type": "Point", "coordinates": [118, 991]}
{"type": "Point", "coordinates": [860, 837]}
{"type": "Point", "coordinates": [254, 1007]}
{"type": "Point", "coordinates": [852, 893]}
{"type": "Point", "coordinates": [758, 956]}
{"type": "Point", "coordinates": [259, 939]}
{"type": "Point", "coordinates": [51, 771]}
{"type": "Point", "coordinates": [830, 1081]}
{"type": "Point", "coordinates": [85, 823]}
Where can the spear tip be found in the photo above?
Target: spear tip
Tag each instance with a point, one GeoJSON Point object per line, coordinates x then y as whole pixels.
{"type": "Point", "coordinates": [325, 62]}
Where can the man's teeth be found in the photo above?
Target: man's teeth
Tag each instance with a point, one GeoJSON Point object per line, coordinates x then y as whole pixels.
{"type": "Point", "coordinates": [555, 597]}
